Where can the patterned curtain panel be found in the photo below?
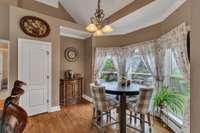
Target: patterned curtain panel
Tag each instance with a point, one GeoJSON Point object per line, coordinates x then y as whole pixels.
{"type": "Point", "coordinates": [177, 41]}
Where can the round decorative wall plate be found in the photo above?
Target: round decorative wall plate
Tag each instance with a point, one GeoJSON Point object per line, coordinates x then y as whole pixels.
{"type": "Point", "coordinates": [71, 54]}
{"type": "Point", "coordinates": [34, 26]}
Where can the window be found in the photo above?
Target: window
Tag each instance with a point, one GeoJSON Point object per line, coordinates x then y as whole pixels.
{"type": "Point", "coordinates": [109, 73]}
{"type": "Point", "coordinates": [138, 72]}
{"type": "Point", "coordinates": [176, 79]}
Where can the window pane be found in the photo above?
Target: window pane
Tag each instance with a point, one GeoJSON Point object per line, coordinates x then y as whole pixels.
{"type": "Point", "coordinates": [109, 65]}
{"type": "Point", "coordinates": [175, 69]}
{"type": "Point", "coordinates": [109, 73]}
{"type": "Point", "coordinates": [177, 81]}
{"type": "Point", "coordinates": [138, 71]}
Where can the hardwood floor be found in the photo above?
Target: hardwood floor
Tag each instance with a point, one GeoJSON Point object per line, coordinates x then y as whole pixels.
{"type": "Point", "coordinates": [73, 119]}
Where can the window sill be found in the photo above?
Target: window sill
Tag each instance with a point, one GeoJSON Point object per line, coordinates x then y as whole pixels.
{"type": "Point", "coordinates": [177, 121]}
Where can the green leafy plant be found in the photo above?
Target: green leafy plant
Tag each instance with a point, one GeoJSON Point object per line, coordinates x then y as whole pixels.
{"type": "Point", "coordinates": [170, 99]}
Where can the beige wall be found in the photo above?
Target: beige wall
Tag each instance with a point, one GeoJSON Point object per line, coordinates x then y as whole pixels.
{"type": "Point", "coordinates": [195, 67]}
{"type": "Point", "coordinates": [15, 32]}
{"type": "Point", "coordinates": [88, 64]}
{"type": "Point", "coordinates": [146, 34]}
{"type": "Point", "coordinates": [33, 5]}
{"type": "Point", "coordinates": [149, 33]}
{"type": "Point", "coordinates": [78, 66]}
{"type": "Point", "coordinates": [4, 17]}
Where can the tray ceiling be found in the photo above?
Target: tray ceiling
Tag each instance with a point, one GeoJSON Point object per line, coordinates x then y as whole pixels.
{"type": "Point", "coordinates": [82, 10]}
{"type": "Point", "coordinates": [153, 13]}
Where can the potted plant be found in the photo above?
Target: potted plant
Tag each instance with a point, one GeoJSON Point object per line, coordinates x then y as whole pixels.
{"type": "Point", "coordinates": [170, 99]}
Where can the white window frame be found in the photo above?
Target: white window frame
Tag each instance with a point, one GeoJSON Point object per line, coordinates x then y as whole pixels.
{"type": "Point", "coordinates": [106, 72]}
{"type": "Point", "coordinates": [172, 115]}
{"type": "Point", "coordinates": [140, 73]}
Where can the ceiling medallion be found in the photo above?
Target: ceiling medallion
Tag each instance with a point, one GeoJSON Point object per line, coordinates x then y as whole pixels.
{"type": "Point", "coordinates": [97, 25]}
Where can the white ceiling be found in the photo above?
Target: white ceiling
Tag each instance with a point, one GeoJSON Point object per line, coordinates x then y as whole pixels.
{"type": "Point", "coordinates": [152, 13]}
{"type": "Point", "coordinates": [82, 10]}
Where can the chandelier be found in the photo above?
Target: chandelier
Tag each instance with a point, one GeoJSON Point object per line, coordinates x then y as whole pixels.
{"type": "Point", "coordinates": [97, 24]}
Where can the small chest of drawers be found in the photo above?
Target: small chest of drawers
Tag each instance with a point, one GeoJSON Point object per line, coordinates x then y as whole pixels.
{"type": "Point", "coordinates": [70, 91]}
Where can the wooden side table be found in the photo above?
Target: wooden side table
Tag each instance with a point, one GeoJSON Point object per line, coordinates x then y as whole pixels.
{"type": "Point", "coordinates": [71, 91]}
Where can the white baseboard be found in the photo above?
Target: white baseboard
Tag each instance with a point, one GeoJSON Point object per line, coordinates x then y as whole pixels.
{"type": "Point", "coordinates": [54, 109]}
{"type": "Point", "coordinates": [87, 98]}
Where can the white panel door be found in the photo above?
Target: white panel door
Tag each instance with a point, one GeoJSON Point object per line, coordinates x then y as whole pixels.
{"type": "Point", "coordinates": [34, 70]}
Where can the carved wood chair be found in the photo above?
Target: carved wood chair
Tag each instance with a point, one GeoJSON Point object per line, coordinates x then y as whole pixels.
{"type": "Point", "coordinates": [14, 118]}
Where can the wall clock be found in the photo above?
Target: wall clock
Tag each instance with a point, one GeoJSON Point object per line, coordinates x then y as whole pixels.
{"type": "Point", "coordinates": [34, 26]}
{"type": "Point", "coordinates": [71, 54]}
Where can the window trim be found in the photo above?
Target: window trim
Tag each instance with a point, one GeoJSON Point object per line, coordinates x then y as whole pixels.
{"type": "Point", "coordinates": [146, 74]}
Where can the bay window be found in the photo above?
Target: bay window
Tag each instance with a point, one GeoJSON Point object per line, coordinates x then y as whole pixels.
{"type": "Point", "coordinates": [138, 72]}
{"type": "Point", "coordinates": [109, 72]}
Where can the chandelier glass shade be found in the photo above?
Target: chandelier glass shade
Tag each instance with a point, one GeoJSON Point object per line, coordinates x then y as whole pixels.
{"type": "Point", "coordinates": [97, 24]}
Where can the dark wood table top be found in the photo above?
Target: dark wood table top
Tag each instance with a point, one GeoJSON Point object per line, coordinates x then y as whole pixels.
{"type": "Point", "coordinates": [115, 88]}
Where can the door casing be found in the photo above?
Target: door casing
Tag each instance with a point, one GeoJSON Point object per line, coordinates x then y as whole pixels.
{"type": "Point", "coordinates": [49, 88]}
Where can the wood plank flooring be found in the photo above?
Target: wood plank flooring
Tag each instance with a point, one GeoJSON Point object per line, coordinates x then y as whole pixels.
{"type": "Point", "coordinates": [73, 119]}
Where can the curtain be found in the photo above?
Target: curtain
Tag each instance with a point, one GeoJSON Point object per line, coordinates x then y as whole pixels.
{"type": "Point", "coordinates": [148, 53]}
{"type": "Point", "coordinates": [181, 57]}
{"type": "Point", "coordinates": [120, 61]}
{"type": "Point", "coordinates": [100, 57]}
{"type": "Point", "coordinates": [176, 40]}
{"type": "Point", "coordinates": [180, 54]}
{"type": "Point", "coordinates": [160, 65]}
{"type": "Point", "coordinates": [99, 61]}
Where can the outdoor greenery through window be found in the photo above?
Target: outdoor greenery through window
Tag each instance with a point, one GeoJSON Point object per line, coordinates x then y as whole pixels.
{"type": "Point", "coordinates": [109, 73]}
{"type": "Point", "coordinates": [138, 72]}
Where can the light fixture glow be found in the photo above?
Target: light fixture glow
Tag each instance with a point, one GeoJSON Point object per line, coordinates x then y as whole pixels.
{"type": "Point", "coordinates": [98, 33]}
{"type": "Point", "coordinates": [91, 28]}
{"type": "Point", "coordinates": [107, 29]}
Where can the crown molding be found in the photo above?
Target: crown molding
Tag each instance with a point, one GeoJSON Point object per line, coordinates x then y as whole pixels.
{"type": "Point", "coordinates": [78, 34]}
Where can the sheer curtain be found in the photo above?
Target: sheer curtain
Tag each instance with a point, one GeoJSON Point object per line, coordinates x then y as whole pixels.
{"type": "Point", "coordinates": [148, 53]}
{"type": "Point", "coordinates": [120, 61]}
{"type": "Point", "coordinates": [100, 57]}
